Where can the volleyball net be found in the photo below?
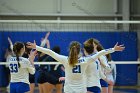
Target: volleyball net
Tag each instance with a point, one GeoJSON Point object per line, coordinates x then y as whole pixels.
{"type": "Point", "coordinates": [53, 63]}
{"type": "Point", "coordinates": [65, 31]}
{"type": "Point", "coordinates": [69, 25]}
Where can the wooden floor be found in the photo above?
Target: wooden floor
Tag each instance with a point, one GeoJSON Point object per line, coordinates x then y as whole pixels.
{"type": "Point", "coordinates": [116, 90]}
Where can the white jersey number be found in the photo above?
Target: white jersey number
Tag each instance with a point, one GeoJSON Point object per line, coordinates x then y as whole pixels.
{"type": "Point", "coordinates": [76, 69]}
{"type": "Point", "coordinates": [13, 68]}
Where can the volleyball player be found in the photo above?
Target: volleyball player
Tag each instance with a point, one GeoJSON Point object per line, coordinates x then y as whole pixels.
{"type": "Point", "coordinates": [20, 68]}
{"type": "Point", "coordinates": [54, 74]}
{"type": "Point", "coordinates": [104, 66]}
{"type": "Point", "coordinates": [43, 69]}
{"type": "Point", "coordinates": [9, 53]}
{"type": "Point", "coordinates": [75, 66]}
{"type": "Point", "coordinates": [111, 75]}
{"type": "Point", "coordinates": [31, 76]}
{"type": "Point", "coordinates": [93, 71]}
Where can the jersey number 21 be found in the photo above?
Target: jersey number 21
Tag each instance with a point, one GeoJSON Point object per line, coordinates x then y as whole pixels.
{"type": "Point", "coordinates": [76, 69]}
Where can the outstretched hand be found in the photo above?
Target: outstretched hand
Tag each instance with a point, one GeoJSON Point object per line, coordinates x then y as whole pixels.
{"type": "Point", "coordinates": [31, 45]}
{"type": "Point", "coordinates": [10, 42]}
{"type": "Point", "coordinates": [61, 79]}
{"type": "Point", "coordinates": [32, 55]}
{"type": "Point", "coordinates": [119, 47]}
{"type": "Point", "coordinates": [47, 35]}
{"type": "Point", "coordinates": [45, 40]}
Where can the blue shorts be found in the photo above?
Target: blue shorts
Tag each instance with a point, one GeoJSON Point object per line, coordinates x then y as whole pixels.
{"type": "Point", "coordinates": [103, 83]}
{"type": "Point", "coordinates": [94, 89]}
{"type": "Point", "coordinates": [19, 87]}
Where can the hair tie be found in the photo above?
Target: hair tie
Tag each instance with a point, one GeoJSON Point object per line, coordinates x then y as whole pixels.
{"type": "Point", "coordinates": [74, 46]}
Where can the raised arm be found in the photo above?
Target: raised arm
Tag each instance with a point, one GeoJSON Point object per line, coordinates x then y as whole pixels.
{"type": "Point", "coordinates": [51, 53]}
{"type": "Point", "coordinates": [102, 75]}
{"type": "Point", "coordinates": [104, 63]}
{"type": "Point", "coordinates": [45, 41]}
{"type": "Point", "coordinates": [11, 44]}
{"type": "Point", "coordinates": [106, 51]}
{"type": "Point", "coordinates": [31, 67]}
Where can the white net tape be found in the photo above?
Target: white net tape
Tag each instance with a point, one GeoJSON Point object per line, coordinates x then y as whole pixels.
{"type": "Point", "coordinates": [52, 63]}
{"type": "Point", "coordinates": [68, 25]}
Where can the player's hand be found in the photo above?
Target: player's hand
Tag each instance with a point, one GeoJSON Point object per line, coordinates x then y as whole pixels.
{"type": "Point", "coordinates": [61, 79]}
{"type": "Point", "coordinates": [9, 40]}
{"type": "Point", "coordinates": [31, 45]}
{"type": "Point", "coordinates": [119, 47]}
{"type": "Point", "coordinates": [47, 35]}
{"type": "Point", "coordinates": [45, 40]}
{"type": "Point", "coordinates": [32, 55]}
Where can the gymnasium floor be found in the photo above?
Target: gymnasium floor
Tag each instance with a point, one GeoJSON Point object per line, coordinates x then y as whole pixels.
{"type": "Point", "coordinates": [116, 90]}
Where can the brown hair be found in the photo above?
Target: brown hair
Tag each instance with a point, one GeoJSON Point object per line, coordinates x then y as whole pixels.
{"type": "Point", "coordinates": [100, 47]}
{"type": "Point", "coordinates": [27, 50]}
{"type": "Point", "coordinates": [109, 57]}
{"type": "Point", "coordinates": [74, 52]}
{"type": "Point", "coordinates": [88, 46]}
{"type": "Point", "coordinates": [17, 48]}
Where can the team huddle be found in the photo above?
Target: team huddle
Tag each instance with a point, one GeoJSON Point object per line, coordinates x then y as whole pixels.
{"type": "Point", "coordinates": [88, 72]}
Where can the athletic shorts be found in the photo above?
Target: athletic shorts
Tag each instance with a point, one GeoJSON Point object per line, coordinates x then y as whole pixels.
{"type": "Point", "coordinates": [41, 77]}
{"type": "Point", "coordinates": [54, 75]}
{"type": "Point", "coordinates": [103, 83]}
{"type": "Point", "coordinates": [51, 77]}
{"type": "Point", "coordinates": [94, 89]}
{"type": "Point", "coordinates": [19, 87]}
{"type": "Point", "coordinates": [31, 78]}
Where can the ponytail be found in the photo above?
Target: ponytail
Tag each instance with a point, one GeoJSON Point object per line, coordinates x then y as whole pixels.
{"type": "Point", "coordinates": [17, 48]}
{"type": "Point", "coordinates": [73, 56]}
{"type": "Point", "coordinates": [74, 51]}
{"type": "Point", "coordinates": [17, 58]}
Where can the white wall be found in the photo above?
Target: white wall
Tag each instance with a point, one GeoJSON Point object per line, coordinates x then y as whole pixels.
{"type": "Point", "coordinates": [92, 6]}
{"type": "Point", "coordinates": [80, 7]}
{"type": "Point", "coordinates": [67, 7]}
{"type": "Point", "coordinates": [50, 6]}
{"type": "Point", "coordinates": [28, 6]}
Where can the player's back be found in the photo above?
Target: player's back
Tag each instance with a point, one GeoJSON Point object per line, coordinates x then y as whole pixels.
{"type": "Point", "coordinates": [93, 74]}
{"type": "Point", "coordinates": [75, 81]}
{"type": "Point", "coordinates": [20, 74]}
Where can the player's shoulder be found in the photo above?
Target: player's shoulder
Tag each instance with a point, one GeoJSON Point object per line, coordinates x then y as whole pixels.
{"type": "Point", "coordinates": [82, 59]}
{"type": "Point", "coordinates": [88, 56]}
{"type": "Point", "coordinates": [24, 60]}
{"type": "Point", "coordinates": [103, 57]}
{"type": "Point", "coordinates": [11, 59]}
{"type": "Point", "coordinates": [91, 54]}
